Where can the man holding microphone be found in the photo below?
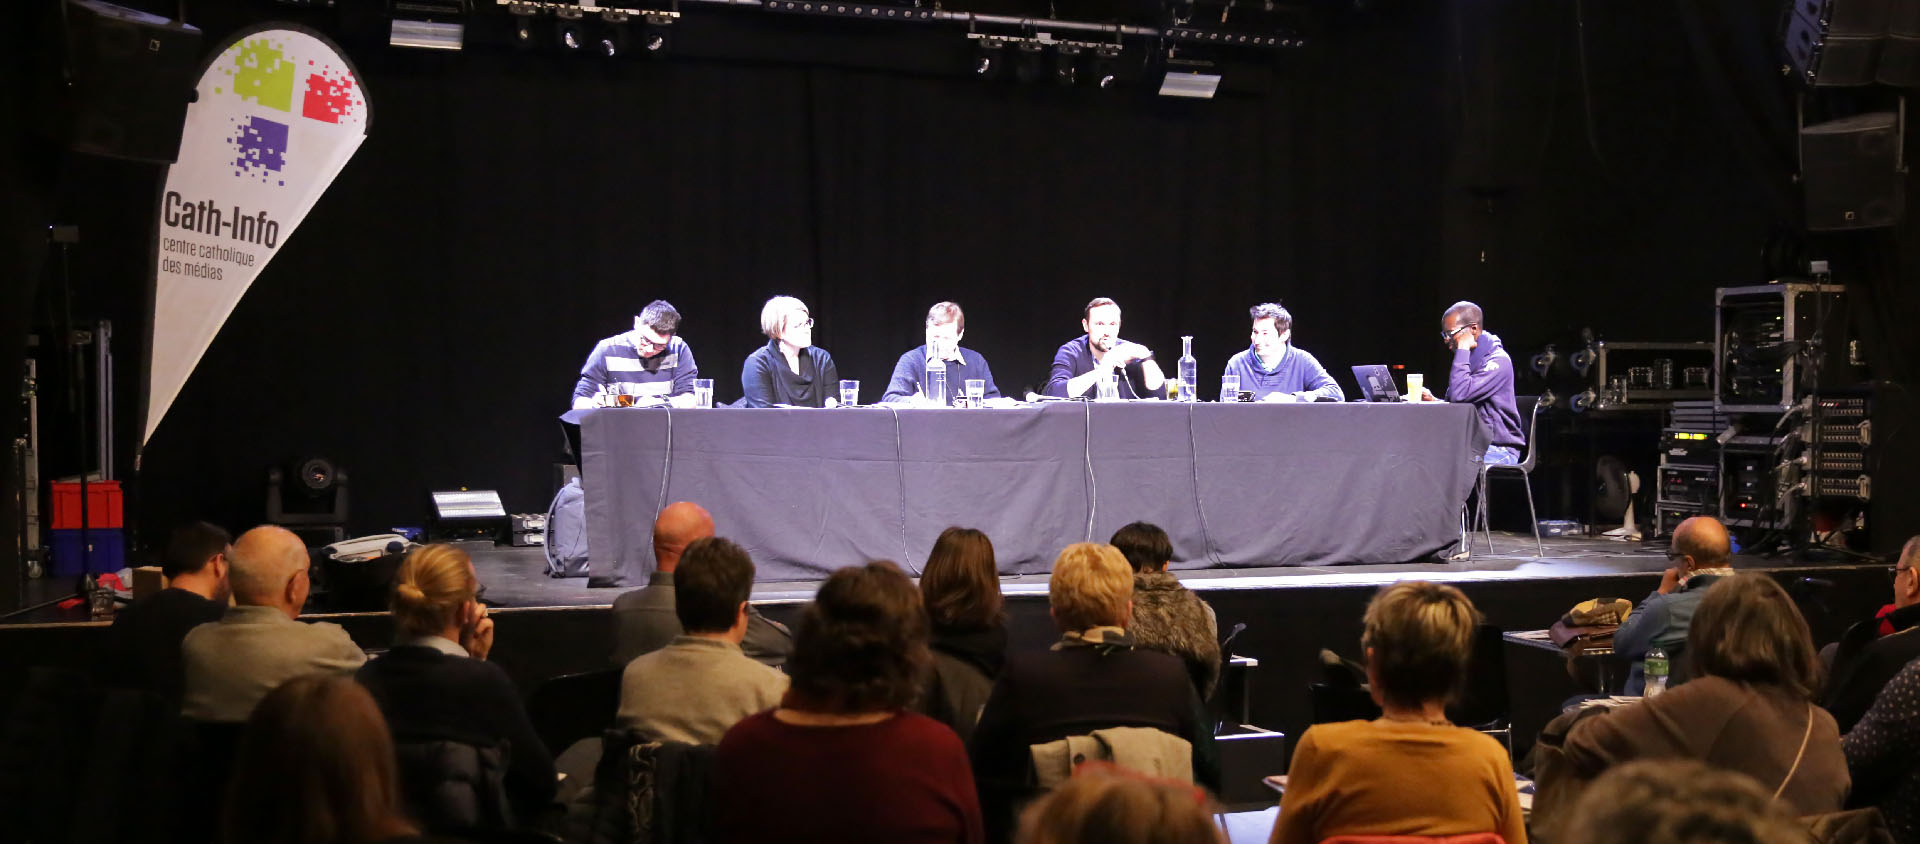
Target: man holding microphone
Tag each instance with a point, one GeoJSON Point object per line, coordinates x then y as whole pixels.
{"type": "Point", "coordinates": [1080, 364]}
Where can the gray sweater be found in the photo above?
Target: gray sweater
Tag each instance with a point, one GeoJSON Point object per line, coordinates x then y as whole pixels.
{"type": "Point", "coordinates": [694, 690]}
{"type": "Point", "coordinates": [230, 664]}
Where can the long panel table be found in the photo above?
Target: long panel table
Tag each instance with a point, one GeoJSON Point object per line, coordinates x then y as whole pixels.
{"type": "Point", "coordinates": [808, 491]}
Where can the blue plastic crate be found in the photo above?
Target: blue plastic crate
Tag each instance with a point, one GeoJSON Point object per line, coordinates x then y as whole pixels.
{"type": "Point", "coordinates": [109, 552]}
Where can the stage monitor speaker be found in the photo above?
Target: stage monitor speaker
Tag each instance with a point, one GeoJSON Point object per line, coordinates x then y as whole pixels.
{"type": "Point", "coordinates": [1850, 170]}
{"type": "Point", "coordinates": [127, 77]}
{"type": "Point", "coordinates": [1835, 43]}
{"type": "Point", "coordinates": [1900, 54]}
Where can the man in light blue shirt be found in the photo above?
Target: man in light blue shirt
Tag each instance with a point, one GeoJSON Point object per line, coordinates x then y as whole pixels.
{"type": "Point", "coordinates": [1273, 370]}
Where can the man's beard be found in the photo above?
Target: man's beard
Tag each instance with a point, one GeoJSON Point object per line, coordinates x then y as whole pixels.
{"type": "Point", "coordinates": [1099, 347]}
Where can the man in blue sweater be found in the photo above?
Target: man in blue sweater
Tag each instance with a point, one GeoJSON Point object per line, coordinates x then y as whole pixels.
{"type": "Point", "coordinates": [1081, 363]}
{"type": "Point", "coordinates": [1482, 375]}
{"type": "Point", "coordinates": [1273, 370]}
{"type": "Point", "coordinates": [649, 361]}
{"type": "Point", "coordinates": [946, 324]}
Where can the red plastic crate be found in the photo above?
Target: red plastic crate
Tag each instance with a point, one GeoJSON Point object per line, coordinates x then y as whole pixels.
{"type": "Point", "coordinates": [103, 505]}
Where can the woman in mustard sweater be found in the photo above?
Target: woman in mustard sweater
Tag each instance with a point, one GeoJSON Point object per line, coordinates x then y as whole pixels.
{"type": "Point", "coordinates": [1410, 772]}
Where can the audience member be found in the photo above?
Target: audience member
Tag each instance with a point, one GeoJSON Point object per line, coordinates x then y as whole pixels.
{"type": "Point", "coordinates": [1873, 651]}
{"type": "Point", "coordinates": [961, 588]}
{"type": "Point", "coordinates": [435, 683]}
{"type": "Point", "coordinates": [1883, 754]}
{"type": "Point", "coordinates": [147, 634]}
{"type": "Point", "coordinates": [1410, 772]}
{"type": "Point", "coordinates": [1104, 804]}
{"type": "Point", "coordinates": [316, 766]}
{"type": "Point", "coordinates": [1166, 615]}
{"type": "Point", "coordinates": [1705, 554]}
{"type": "Point", "coordinates": [696, 688]}
{"type": "Point", "coordinates": [1093, 678]}
{"type": "Point", "coordinates": [841, 758]}
{"type": "Point", "coordinates": [230, 664]}
{"type": "Point", "coordinates": [644, 619]}
{"type": "Point", "coordinates": [1679, 801]}
{"type": "Point", "coordinates": [1749, 707]}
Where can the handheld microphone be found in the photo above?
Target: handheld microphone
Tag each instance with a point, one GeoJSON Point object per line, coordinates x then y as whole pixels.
{"type": "Point", "coordinates": [1237, 628]}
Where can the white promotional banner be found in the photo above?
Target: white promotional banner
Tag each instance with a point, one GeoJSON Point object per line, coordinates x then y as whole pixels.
{"type": "Point", "coordinates": [279, 113]}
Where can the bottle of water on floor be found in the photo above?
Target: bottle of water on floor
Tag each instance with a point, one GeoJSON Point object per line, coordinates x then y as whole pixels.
{"type": "Point", "coordinates": [1189, 369]}
{"type": "Point", "coordinates": [937, 381]}
{"type": "Point", "coordinates": [1657, 668]}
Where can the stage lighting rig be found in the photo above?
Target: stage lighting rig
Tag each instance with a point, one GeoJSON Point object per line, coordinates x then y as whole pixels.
{"type": "Point", "coordinates": [1066, 65]}
{"type": "Point", "coordinates": [571, 31]}
{"type": "Point", "coordinates": [868, 11]}
{"type": "Point", "coordinates": [989, 54]}
{"type": "Point", "coordinates": [613, 34]}
{"type": "Point", "coordinates": [656, 36]}
{"type": "Point", "coordinates": [1026, 63]}
{"type": "Point", "coordinates": [427, 24]}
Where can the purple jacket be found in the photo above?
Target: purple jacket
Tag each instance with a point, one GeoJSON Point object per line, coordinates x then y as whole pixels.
{"type": "Point", "coordinates": [1484, 377]}
{"type": "Point", "coordinates": [1297, 372]}
{"type": "Point", "coordinates": [1075, 358]}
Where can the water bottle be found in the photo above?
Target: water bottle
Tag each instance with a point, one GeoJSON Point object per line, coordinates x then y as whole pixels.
{"type": "Point", "coordinates": [1189, 369]}
{"type": "Point", "coordinates": [937, 381]}
{"type": "Point", "coordinates": [1657, 668]}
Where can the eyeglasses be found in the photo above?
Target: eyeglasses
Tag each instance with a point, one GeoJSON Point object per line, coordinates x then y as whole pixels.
{"type": "Point", "coordinates": [1896, 570]}
{"type": "Point", "coordinates": [1448, 335]}
{"type": "Point", "coordinates": [808, 323]}
{"type": "Point", "coordinates": [1674, 556]}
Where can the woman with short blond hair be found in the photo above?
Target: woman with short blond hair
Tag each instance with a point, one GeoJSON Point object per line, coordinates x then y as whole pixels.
{"type": "Point", "coordinates": [789, 369]}
{"type": "Point", "coordinates": [435, 682]}
{"type": "Point", "coordinates": [1093, 678]}
{"type": "Point", "coordinates": [1410, 772]}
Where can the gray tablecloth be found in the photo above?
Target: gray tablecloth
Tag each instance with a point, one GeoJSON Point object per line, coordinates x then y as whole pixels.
{"type": "Point", "coordinates": [809, 491]}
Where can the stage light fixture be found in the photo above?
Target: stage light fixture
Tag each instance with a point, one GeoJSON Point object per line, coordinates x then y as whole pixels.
{"type": "Point", "coordinates": [1105, 73]}
{"type": "Point", "coordinates": [656, 36]}
{"type": "Point", "coordinates": [427, 24]}
{"type": "Point", "coordinates": [613, 35]}
{"type": "Point", "coordinates": [1066, 65]}
{"type": "Point", "coordinates": [1026, 64]}
{"type": "Point", "coordinates": [986, 62]}
{"type": "Point", "coordinates": [1199, 86]}
{"type": "Point", "coordinates": [570, 31]}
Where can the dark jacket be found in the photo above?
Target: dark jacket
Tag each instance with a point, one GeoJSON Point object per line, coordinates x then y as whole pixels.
{"type": "Point", "coordinates": [1078, 687]}
{"type": "Point", "coordinates": [147, 636]}
{"type": "Point", "coordinates": [426, 693]}
{"type": "Point", "coordinates": [1170, 617]}
{"type": "Point", "coordinates": [766, 380]}
{"type": "Point", "coordinates": [910, 375]}
{"type": "Point", "coordinates": [1075, 358]}
{"type": "Point", "coordinates": [965, 663]}
{"type": "Point", "coordinates": [1483, 376]}
{"type": "Point", "coordinates": [1880, 755]}
{"type": "Point", "coordinates": [1864, 663]}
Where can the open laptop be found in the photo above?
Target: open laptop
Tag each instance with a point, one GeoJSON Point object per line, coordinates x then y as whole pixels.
{"type": "Point", "coordinates": [1376, 382]}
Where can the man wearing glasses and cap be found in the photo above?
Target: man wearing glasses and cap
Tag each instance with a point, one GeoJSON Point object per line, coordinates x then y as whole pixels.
{"type": "Point", "coordinates": [1482, 375]}
{"type": "Point", "coordinates": [649, 361]}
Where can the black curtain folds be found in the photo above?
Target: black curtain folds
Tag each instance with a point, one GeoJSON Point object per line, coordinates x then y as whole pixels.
{"type": "Point", "coordinates": [1565, 165]}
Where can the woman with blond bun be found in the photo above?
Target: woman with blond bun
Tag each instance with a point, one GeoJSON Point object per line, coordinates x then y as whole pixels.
{"type": "Point", "coordinates": [1104, 804]}
{"type": "Point", "coordinates": [1409, 772]}
{"type": "Point", "coordinates": [435, 681]}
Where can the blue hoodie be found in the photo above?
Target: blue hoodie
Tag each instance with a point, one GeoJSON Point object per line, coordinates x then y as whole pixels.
{"type": "Point", "coordinates": [1484, 377]}
{"type": "Point", "coordinates": [1297, 372]}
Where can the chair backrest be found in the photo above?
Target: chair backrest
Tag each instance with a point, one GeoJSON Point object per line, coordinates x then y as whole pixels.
{"type": "Point", "coordinates": [649, 791]}
{"type": "Point", "coordinates": [1533, 429]}
{"type": "Point", "coordinates": [1483, 692]}
{"type": "Point", "coordinates": [572, 707]}
{"type": "Point", "coordinates": [1332, 704]}
{"type": "Point", "coordinates": [955, 693]}
{"type": "Point", "coordinates": [451, 785]}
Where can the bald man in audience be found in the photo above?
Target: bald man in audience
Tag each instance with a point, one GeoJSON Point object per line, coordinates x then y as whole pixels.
{"type": "Point", "coordinates": [1703, 553]}
{"type": "Point", "coordinates": [258, 644]}
{"type": "Point", "coordinates": [644, 620]}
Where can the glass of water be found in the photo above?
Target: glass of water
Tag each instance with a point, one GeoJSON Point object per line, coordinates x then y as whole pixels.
{"type": "Point", "coordinates": [1229, 388]}
{"type": "Point", "coordinates": [703, 392]}
{"type": "Point", "coordinates": [849, 393]}
{"type": "Point", "coordinates": [976, 390]}
{"type": "Point", "coordinates": [1108, 387]}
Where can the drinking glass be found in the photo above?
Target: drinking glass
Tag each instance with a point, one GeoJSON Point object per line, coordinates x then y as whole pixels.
{"type": "Point", "coordinates": [976, 391]}
{"type": "Point", "coordinates": [1415, 383]}
{"type": "Point", "coordinates": [849, 393]}
{"type": "Point", "coordinates": [1229, 388]}
{"type": "Point", "coordinates": [1108, 386]}
{"type": "Point", "coordinates": [703, 392]}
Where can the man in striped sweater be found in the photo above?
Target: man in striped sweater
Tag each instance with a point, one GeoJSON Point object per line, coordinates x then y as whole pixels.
{"type": "Point", "coordinates": [650, 361]}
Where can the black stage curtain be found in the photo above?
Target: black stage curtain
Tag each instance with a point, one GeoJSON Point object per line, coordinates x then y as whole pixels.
{"type": "Point", "coordinates": [1564, 165]}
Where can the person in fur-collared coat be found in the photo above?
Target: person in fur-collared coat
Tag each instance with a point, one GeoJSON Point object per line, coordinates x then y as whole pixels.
{"type": "Point", "coordinates": [1166, 615]}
